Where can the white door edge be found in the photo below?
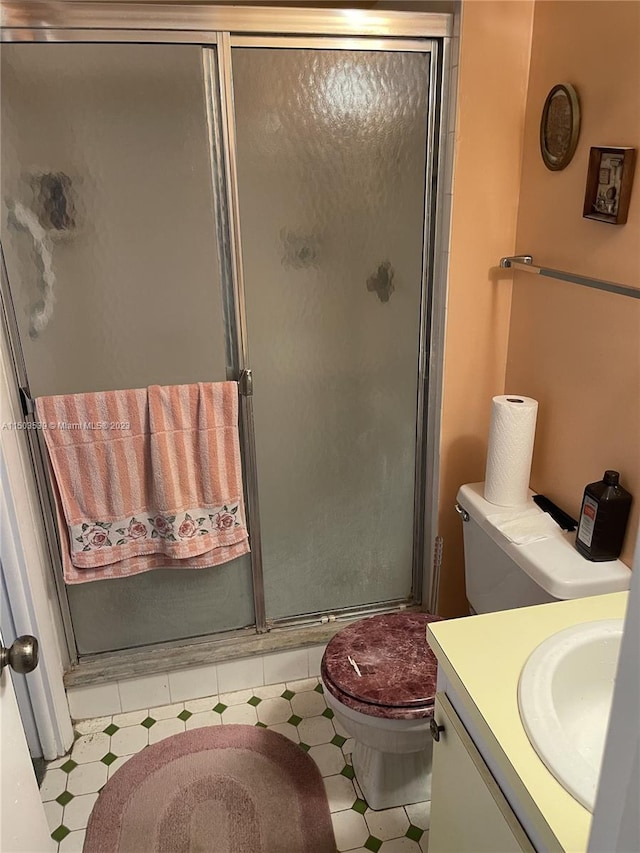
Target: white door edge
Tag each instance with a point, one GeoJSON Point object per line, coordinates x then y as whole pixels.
{"type": "Point", "coordinates": [30, 588]}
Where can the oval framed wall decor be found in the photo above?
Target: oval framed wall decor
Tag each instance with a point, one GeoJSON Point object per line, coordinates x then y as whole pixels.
{"type": "Point", "coordinates": [559, 126]}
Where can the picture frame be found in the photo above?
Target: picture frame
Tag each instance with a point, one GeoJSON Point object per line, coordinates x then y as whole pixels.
{"type": "Point", "coordinates": [559, 127]}
{"type": "Point", "coordinates": [609, 180]}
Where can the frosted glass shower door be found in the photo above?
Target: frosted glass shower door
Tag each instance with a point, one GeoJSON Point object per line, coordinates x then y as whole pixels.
{"type": "Point", "coordinates": [332, 152]}
{"type": "Point", "coordinates": [106, 158]}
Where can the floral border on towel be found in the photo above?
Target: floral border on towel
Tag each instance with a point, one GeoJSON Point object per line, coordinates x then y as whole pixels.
{"type": "Point", "coordinates": [173, 528]}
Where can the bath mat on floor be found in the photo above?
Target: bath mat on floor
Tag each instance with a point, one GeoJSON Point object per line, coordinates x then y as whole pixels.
{"type": "Point", "coordinates": [225, 789]}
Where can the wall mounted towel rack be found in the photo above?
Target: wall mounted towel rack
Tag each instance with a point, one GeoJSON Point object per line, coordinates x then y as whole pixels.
{"type": "Point", "coordinates": [525, 262]}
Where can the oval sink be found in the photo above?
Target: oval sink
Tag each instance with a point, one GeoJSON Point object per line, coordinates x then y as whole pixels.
{"type": "Point", "coordinates": [564, 696]}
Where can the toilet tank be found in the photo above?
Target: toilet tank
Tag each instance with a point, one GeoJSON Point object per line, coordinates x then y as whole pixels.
{"type": "Point", "coordinates": [500, 575]}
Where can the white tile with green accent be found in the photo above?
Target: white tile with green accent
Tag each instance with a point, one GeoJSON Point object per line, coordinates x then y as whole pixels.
{"type": "Point", "coordinates": [165, 728]}
{"type": "Point", "coordinates": [166, 712]}
{"type": "Point", "coordinates": [87, 778]}
{"type": "Point", "coordinates": [89, 748]}
{"type": "Point", "coordinates": [202, 719]}
{"type": "Point", "coordinates": [129, 739]}
{"type": "Point", "coordinates": [87, 727]}
{"type": "Point", "coordinates": [387, 824]}
{"type": "Point", "coordinates": [238, 697]}
{"type": "Point", "coordinates": [269, 691]}
{"type": "Point", "coordinates": [77, 811]}
{"type": "Point", "coordinates": [53, 812]}
{"type": "Point", "coordinates": [131, 718]}
{"type": "Point", "coordinates": [274, 711]}
{"type": "Point", "coordinates": [296, 709]}
{"type": "Point", "coordinates": [243, 714]}
{"type": "Point", "coordinates": [72, 843]}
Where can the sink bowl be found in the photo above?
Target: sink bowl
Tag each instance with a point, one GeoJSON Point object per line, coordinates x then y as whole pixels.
{"type": "Point", "coordinates": [564, 696]}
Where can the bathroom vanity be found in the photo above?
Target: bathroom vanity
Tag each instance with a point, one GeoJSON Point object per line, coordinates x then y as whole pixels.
{"type": "Point", "coordinates": [490, 790]}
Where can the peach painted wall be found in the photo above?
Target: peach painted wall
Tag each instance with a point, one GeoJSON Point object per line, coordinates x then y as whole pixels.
{"type": "Point", "coordinates": [493, 71]}
{"type": "Point", "coordinates": [576, 350]}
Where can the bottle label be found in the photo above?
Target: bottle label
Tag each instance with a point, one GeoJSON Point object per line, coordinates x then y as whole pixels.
{"type": "Point", "coordinates": [587, 520]}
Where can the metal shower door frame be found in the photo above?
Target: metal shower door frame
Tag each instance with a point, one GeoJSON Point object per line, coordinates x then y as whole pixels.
{"type": "Point", "coordinates": [225, 28]}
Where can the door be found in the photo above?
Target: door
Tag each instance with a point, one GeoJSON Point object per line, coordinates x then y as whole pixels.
{"type": "Point", "coordinates": [110, 238]}
{"type": "Point", "coordinates": [332, 159]}
{"type": "Point", "coordinates": [23, 824]}
{"type": "Point", "coordinates": [469, 812]}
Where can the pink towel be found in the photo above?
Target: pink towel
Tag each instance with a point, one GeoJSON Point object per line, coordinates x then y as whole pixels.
{"type": "Point", "coordinates": [146, 478]}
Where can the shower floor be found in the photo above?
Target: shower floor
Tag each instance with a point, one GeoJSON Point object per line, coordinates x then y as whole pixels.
{"type": "Point", "coordinates": [296, 709]}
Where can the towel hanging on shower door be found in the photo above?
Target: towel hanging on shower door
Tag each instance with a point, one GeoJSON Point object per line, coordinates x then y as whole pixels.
{"type": "Point", "coordinates": [146, 478]}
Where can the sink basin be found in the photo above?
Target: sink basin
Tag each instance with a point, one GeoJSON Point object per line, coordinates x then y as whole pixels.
{"type": "Point", "coordinates": [564, 695]}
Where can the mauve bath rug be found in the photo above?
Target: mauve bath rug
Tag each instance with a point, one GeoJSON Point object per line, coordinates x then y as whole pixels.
{"type": "Point", "coordinates": [228, 789]}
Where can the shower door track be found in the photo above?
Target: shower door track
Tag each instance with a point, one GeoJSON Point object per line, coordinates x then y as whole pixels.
{"type": "Point", "coordinates": [207, 25]}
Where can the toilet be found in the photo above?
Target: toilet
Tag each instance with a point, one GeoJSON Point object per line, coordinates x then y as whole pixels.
{"type": "Point", "coordinates": [379, 674]}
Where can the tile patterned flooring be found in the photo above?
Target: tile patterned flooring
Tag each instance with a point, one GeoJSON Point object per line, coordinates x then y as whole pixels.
{"type": "Point", "coordinates": [295, 709]}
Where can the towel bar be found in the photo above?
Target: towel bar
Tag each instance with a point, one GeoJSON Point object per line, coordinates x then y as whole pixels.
{"type": "Point", "coordinates": [525, 262]}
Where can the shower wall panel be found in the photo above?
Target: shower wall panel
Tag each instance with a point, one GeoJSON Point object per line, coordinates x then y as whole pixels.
{"type": "Point", "coordinates": [106, 158]}
{"type": "Point", "coordinates": [332, 150]}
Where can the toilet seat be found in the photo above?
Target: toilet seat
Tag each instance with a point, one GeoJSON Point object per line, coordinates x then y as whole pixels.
{"type": "Point", "coordinates": [383, 667]}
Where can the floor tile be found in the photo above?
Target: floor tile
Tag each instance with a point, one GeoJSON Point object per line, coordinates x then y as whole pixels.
{"type": "Point", "coordinates": [165, 728]}
{"type": "Point", "coordinates": [348, 745]}
{"type": "Point", "coordinates": [166, 712]}
{"type": "Point", "coordinates": [244, 714]}
{"type": "Point", "coordinates": [350, 830]}
{"type": "Point", "coordinates": [340, 792]}
{"type": "Point", "coordinates": [87, 778]}
{"type": "Point", "coordinates": [303, 685]}
{"type": "Point", "coordinates": [340, 729]}
{"type": "Point", "coordinates": [131, 718]}
{"type": "Point", "coordinates": [90, 748]}
{"type": "Point", "coordinates": [204, 718]}
{"type": "Point", "coordinates": [76, 813]}
{"type": "Point", "coordinates": [53, 812]}
{"type": "Point", "coordinates": [400, 845]}
{"type": "Point", "coordinates": [287, 730]}
{"type": "Point", "coordinates": [87, 727]}
{"type": "Point", "coordinates": [117, 764]}
{"type": "Point", "coordinates": [273, 711]}
{"type": "Point", "coordinates": [73, 843]}
{"type": "Point", "coordinates": [329, 758]}
{"type": "Point", "coordinates": [129, 740]}
{"type": "Point", "coordinates": [419, 814]}
{"type": "Point", "coordinates": [198, 705]}
{"type": "Point", "coordinates": [57, 762]}
{"type": "Point", "coordinates": [238, 697]}
{"type": "Point", "coordinates": [308, 704]}
{"type": "Point", "coordinates": [316, 730]}
{"type": "Point", "coordinates": [53, 784]}
{"type": "Point", "coordinates": [388, 823]}
{"type": "Point", "coordinates": [424, 842]}
{"type": "Point", "coordinates": [269, 691]}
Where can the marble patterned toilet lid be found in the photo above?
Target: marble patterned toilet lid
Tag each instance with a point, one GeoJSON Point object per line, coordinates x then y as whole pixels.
{"type": "Point", "coordinates": [384, 660]}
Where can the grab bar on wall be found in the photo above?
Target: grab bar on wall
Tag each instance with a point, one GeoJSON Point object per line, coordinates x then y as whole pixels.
{"type": "Point", "coordinates": [525, 262]}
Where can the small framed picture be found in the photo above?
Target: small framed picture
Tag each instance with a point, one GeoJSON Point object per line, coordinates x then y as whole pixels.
{"type": "Point", "coordinates": [609, 180]}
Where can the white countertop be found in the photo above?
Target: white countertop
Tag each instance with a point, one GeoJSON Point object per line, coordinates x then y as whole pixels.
{"type": "Point", "coordinates": [482, 656]}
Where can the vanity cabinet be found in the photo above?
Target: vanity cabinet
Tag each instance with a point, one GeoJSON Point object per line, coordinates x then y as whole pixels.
{"type": "Point", "coordinates": [469, 813]}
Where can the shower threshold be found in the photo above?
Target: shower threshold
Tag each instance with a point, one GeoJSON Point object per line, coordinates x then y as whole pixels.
{"type": "Point", "coordinates": [178, 655]}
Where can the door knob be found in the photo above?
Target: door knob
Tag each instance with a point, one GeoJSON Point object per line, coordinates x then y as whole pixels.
{"type": "Point", "coordinates": [21, 656]}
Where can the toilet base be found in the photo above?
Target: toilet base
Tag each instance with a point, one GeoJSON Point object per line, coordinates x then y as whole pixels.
{"type": "Point", "coordinates": [392, 779]}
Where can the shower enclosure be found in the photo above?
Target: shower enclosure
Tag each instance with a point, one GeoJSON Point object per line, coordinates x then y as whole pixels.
{"type": "Point", "coordinates": [206, 194]}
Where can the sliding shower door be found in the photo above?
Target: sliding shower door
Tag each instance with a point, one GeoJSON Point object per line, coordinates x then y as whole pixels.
{"type": "Point", "coordinates": [111, 245]}
{"type": "Point", "coordinates": [163, 226]}
{"type": "Point", "coordinates": [331, 159]}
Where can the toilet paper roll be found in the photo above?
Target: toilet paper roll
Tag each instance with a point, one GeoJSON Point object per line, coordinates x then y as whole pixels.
{"type": "Point", "coordinates": [511, 435]}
